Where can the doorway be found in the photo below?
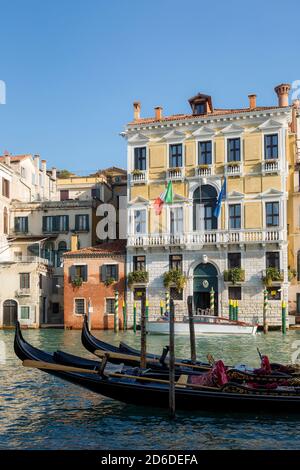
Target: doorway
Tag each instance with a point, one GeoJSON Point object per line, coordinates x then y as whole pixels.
{"type": "Point", "coordinates": [10, 313]}
{"type": "Point", "coordinates": [205, 278]}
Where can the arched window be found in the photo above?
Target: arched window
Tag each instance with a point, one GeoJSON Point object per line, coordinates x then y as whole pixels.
{"type": "Point", "coordinates": [5, 221]}
{"type": "Point", "coordinates": [62, 248]}
{"type": "Point", "coordinates": [204, 203]}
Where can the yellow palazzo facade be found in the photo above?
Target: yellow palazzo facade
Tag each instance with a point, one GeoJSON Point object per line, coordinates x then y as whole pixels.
{"type": "Point", "coordinates": [243, 251]}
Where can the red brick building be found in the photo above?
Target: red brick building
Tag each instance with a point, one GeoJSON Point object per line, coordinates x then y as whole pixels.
{"type": "Point", "coordinates": [91, 277]}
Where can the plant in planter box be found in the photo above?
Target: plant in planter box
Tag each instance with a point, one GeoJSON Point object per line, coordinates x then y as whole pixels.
{"type": "Point", "coordinates": [77, 282]}
{"type": "Point", "coordinates": [137, 277]}
{"type": "Point", "coordinates": [109, 281]}
{"type": "Point", "coordinates": [136, 172]}
{"type": "Point", "coordinates": [292, 273]}
{"type": "Point", "coordinates": [271, 275]}
{"type": "Point", "coordinates": [176, 278]}
{"type": "Point", "coordinates": [234, 275]}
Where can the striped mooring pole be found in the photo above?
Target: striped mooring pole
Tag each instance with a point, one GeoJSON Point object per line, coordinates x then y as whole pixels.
{"type": "Point", "coordinates": [167, 303]}
{"type": "Point", "coordinates": [283, 317]}
{"type": "Point", "coordinates": [116, 315]}
{"type": "Point", "coordinates": [236, 310]}
{"type": "Point", "coordinates": [124, 316]}
{"type": "Point", "coordinates": [212, 301]}
{"type": "Point", "coordinates": [134, 316]}
{"type": "Point", "coordinates": [265, 321]}
{"type": "Point", "coordinates": [230, 310]}
{"type": "Point", "coordinates": [147, 310]}
{"type": "Point", "coordinates": [161, 304]}
{"type": "Point", "coordinates": [233, 309]}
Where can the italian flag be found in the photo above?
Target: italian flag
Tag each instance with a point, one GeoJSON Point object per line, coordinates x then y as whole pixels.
{"type": "Point", "coordinates": [165, 197]}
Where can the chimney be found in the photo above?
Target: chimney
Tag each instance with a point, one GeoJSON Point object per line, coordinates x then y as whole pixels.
{"type": "Point", "coordinates": [53, 173]}
{"type": "Point", "coordinates": [136, 110]}
{"type": "Point", "coordinates": [158, 113]}
{"type": "Point", "coordinates": [36, 160]}
{"type": "Point", "coordinates": [252, 101]}
{"type": "Point", "coordinates": [74, 242]}
{"type": "Point", "coordinates": [282, 92]}
{"type": "Point", "coordinates": [44, 166]}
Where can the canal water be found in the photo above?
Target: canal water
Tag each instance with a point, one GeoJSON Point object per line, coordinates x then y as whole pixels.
{"type": "Point", "coordinates": [38, 411]}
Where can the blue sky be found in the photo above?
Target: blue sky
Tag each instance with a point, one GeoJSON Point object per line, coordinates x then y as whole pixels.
{"type": "Point", "coordinates": [73, 67]}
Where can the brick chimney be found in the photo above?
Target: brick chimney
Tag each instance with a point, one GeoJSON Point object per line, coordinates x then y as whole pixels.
{"type": "Point", "coordinates": [252, 101]}
{"type": "Point", "coordinates": [6, 155]}
{"type": "Point", "coordinates": [44, 166]}
{"type": "Point", "coordinates": [136, 110]}
{"type": "Point", "coordinates": [282, 92]}
{"type": "Point", "coordinates": [74, 242]}
{"type": "Point", "coordinates": [53, 173]}
{"type": "Point", "coordinates": [158, 113]}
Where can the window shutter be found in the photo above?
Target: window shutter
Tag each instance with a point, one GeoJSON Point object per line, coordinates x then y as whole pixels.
{"type": "Point", "coordinates": [76, 222]}
{"type": "Point", "coordinates": [136, 160]}
{"type": "Point", "coordinates": [72, 273]}
{"type": "Point", "coordinates": [117, 272]}
{"type": "Point", "coordinates": [26, 224]}
{"type": "Point", "coordinates": [67, 223]}
{"type": "Point", "coordinates": [87, 222]}
{"type": "Point", "coordinates": [44, 223]}
{"type": "Point", "coordinates": [103, 273]}
{"type": "Point", "coordinates": [17, 224]}
{"type": "Point", "coordinates": [84, 273]}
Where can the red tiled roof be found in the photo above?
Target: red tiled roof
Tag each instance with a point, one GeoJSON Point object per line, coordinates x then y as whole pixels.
{"type": "Point", "coordinates": [116, 247]}
{"type": "Point", "coordinates": [15, 158]}
{"type": "Point", "coordinates": [216, 112]}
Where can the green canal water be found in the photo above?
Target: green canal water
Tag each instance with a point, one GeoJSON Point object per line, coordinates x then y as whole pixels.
{"type": "Point", "coordinates": [38, 411]}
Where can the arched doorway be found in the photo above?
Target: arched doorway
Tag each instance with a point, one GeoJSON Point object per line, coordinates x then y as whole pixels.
{"type": "Point", "coordinates": [205, 278]}
{"type": "Point", "coordinates": [10, 312]}
{"type": "Point", "coordinates": [204, 203]}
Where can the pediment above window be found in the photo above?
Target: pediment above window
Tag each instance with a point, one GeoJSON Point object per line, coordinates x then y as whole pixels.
{"type": "Point", "coordinates": [235, 195]}
{"type": "Point", "coordinates": [270, 124]}
{"type": "Point", "coordinates": [138, 200]}
{"type": "Point", "coordinates": [272, 192]}
{"type": "Point", "coordinates": [138, 139]}
{"type": "Point", "coordinates": [232, 129]}
{"type": "Point", "coordinates": [203, 131]}
{"type": "Point", "coordinates": [174, 136]}
{"type": "Point", "coordinates": [179, 198]}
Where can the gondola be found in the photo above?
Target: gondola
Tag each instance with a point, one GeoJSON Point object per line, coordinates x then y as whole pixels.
{"type": "Point", "coordinates": [134, 391]}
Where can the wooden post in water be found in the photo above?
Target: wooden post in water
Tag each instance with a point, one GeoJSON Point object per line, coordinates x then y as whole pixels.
{"type": "Point", "coordinates": [161, 308]}
{"type": "Point", "coordinates": [134, 316]}
{"type": "Point", "coordinates": [124, 316]}
{"type": "Point", "coordinates": [265, 321]}
{"type": "Point", "coordinates": [143, 336]}
{"type": "Point", "coordinates": [192, 328]}
{"type": "Point", "coordinates": [116, 315]}
{"type": "Point", "coordinates": [283, 317]}
{"type": "Point", "coordinates": [172, 360]}
{"type": "Point", "coordinates": [212, 301]}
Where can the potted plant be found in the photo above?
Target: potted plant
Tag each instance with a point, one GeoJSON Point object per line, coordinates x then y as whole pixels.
{"type": "Point", "coordinates": [203, 165]}
{"type": "Point", "coordinates": [77, 282]}
{"type": "Point", "coordinates": [292, 273]}
{"type": "Point", "coordinates": [271, 275]}
{"type": "Point", "coordinates": [176, 278]}
{"type": "Point", "coordinates": [234, 275]}
{"type": "Point", "coordinates": [136, 172]}
{"type": "Point", "coordinates": [137, 277]}
{"type": "Point", "coordinates": [109, 281]}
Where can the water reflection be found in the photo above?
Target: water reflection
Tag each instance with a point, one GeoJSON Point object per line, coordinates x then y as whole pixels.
{"type": "Point", "coordinates": [38, 411]}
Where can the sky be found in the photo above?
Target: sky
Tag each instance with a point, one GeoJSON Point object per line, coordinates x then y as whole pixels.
{"type": "Point", "coordinates": [72, 68]}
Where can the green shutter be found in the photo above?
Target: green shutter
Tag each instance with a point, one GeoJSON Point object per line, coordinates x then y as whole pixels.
{"type": "Point", "coordinates": [84, 273]}
{"type": "Point", "coordinates": [17, 224]}
{"type": "Point", "coordinates": [117, 272]}
{"type": "Point", "coordinates": [72, 273]}
{"type": "Point", "coordinates": [103, 273]}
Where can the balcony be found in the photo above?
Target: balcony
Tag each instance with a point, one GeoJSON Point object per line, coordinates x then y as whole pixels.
{"type": "Point", "coordinates": [214, 237]}
{"type": "Point", "coordinates": [204, 170]}
{"type": "Point", "coordinates": [29, 259]}
{"type": "Point", "coordinates": [270, 166]}
{"type": "Point", "coordinates": [23, 292]}
{"type": "Point", "coordinates": [175, 174]}
{"type": "Point", "coordinates": [233, 169]}
{"type": "Point", "coordinates": [139, 177]}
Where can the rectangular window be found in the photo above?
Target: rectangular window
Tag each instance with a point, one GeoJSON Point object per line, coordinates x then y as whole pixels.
{"type": "Point", "coordinates": [176, 294]}
{"type": "Point", "coordinates": [176, 220]}
{"type": "Point", "coordinates": [235, 293]}
{"type": "Point", "coordinates": [64, 194]}
{"type": "Point", "coordinates": [298, 304]}
{"type": "Point", "coordinates": [109, 271]}
{"type": "Point", "coordinates": [55, 307]}
{"type": "Point", "coordinates": [272, 214]}
{"type": "Point", "coordinates": [25, 312]}
{"type": "Point", "coordinates": [110, 306]}
{"type": "Point", "coordinates": [200, 108]}
{"type": "Point", "coordinates": [57, 223]}
{"type": "Point", "coordinates": [235, 216]}
{"type": "Point", "coordinates": [82, 222]}
{"type": "Point", "coordinates": [234, 260]}
{"type": "Point", "coordinates": [96, 193]}
{"type": "Point", "coordinates": [271, 146]}
{"type": "Point", "coordinates": [139, 263]}
{"type": "Point", "coordinates": [140, 221]}
{"type": "Point", "coordinates": [24, 280]}
{"type": "Point", "coordinates": [140, 158]}
{"type": "Point", "coordinates": [205, 153]}
{"type": "Point", "coordinates": [79, 271]}
{"type": "Point", "coordinates": [21, 224]}
{"type": "Point", "coordinates": [272, 259]}
{"type": "Point", "coordinates": [175, 262]}
{"type": "Point", "coordinates": [175, 156]}
{"type": "Point", "coordinates": [274, 293]}
{"type": "Point", "coordinates": [79, 306]}
{"type": "Point", "coordinates": [234, 150]}
{"type": "Point", "coordinates": [5, 187]}
{"type": "Point", "coordinates": [208, 217]}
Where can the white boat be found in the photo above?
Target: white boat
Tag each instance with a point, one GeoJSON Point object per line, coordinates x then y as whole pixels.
{"type": "Point", "coordinates": [204, 324]}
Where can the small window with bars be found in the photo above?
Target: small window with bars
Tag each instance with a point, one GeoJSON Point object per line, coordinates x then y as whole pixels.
{"type": "Point", "coordinates": [139, 263]}
{"type": "Point", "coordinates": [110, 306]}
{"type": "Point", "coordinates": [79, 306]}
{"type": "Point", "coordinates": [25, 312]}
{"type": "Point", "coordinates": [235, 293]}
{"type": "Point", "coordinates": [175, 262]}
{"type": "Point", "coordinates": [176, 294]}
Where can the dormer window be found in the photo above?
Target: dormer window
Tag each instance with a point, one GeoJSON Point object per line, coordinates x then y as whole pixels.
{"type": "Point", "coordinates": [200, 108]}
{"type": "Point", "coordinates": [201, 104]}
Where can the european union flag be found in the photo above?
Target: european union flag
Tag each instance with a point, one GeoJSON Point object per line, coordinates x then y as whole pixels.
{"type": "Point", "coordinates": [221, 197]}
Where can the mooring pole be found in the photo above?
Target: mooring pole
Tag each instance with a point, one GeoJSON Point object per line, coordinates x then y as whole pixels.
{"type": "Point", "coordinates": [134, 316]}
{"type": "Point", "coordinates": [265, 321]}
{"type": "Point", "coordinates": [147, 310]}
{"type": "Point", "coordinates": [116, 315]}
{"type": "Point", "coordinates": [236, 310]}
{"type": "Point", "coordinates": [161, 308]}
{"type": "Point", "coordinates": [283, 317]}
{"type": "Point", "coordinates": [192, 328]}
{"type": "Point", "coordinates": [230, 309]}
{"type": "Point", "coordinates": [143, 336]}
{"type": "Point", "coordinates": [172, 360]}
{"type": "Point", "coordinates": [124, 316]}
{"type": "Point", "coordinates": [167, 303]}
{"type": "Point", "coordinates": [212, 301]}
